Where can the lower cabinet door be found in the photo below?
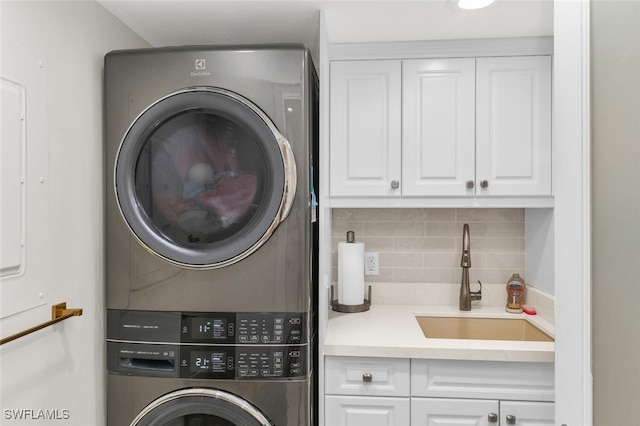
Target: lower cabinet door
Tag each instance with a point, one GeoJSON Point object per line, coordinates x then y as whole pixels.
{"type": "Point", "coordinates": [524, 413]}
{"type": "Point", "coordinates": [366, 411]}
{"type": "Point", "coordinates": [454, 412]}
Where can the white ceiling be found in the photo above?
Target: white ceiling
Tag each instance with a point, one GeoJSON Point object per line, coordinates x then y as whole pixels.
{"type": "Point", "coordinates": [178, 22]}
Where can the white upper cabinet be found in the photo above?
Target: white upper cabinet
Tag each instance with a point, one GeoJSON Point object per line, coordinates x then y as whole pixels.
{"type": "Point", "coordinates": [438, 127]}
{"type": "Point", "coordinates": [411, 131]}
{"type": "Point", "coordinates": [365, 125]}
{"type": "Point", "coordinates": [513, 126]}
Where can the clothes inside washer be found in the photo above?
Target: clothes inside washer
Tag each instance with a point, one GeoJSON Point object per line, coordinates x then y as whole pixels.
{"type": "Point", "coordinates": [204, 177]}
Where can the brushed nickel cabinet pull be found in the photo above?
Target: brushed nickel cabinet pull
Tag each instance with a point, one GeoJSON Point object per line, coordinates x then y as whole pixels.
{"type": "Point", "coordinates": [492, 418]}
{"type": "Point", "coordinates": [395, 184]}
{"type": "Point", "coordinates": [511, 420]}
{"type": "Point", "coordinates": [484, 184]}
{"type": "Point", "coordinates": [470, 184]}
{"type": "Point", "coordinates": [367, 377]}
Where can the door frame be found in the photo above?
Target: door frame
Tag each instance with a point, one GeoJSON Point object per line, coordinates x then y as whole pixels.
{"type": "Point", "coordinates": [571, 133]}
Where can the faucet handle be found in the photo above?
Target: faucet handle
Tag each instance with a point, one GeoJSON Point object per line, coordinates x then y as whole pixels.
{"type": "Point", "coordinates": [476, 295]}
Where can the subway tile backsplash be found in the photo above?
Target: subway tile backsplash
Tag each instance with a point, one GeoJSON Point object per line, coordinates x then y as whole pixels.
{"type": "Point", "coordinates": [424, 245]}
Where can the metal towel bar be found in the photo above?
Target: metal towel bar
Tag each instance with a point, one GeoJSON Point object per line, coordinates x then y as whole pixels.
{"type": "Point", "coordinates": [59, 313]}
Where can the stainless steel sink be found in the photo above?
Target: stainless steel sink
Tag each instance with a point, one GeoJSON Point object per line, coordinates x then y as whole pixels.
{"type": "Point", "coordinates": [481, 329]}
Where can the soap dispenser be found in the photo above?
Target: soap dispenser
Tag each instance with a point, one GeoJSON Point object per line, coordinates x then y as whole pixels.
{"type": "Point", "coordinates": [515, 294]}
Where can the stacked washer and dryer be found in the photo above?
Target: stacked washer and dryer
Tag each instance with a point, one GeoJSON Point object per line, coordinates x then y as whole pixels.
{"type": "Point", "coordinates": [211, 236]}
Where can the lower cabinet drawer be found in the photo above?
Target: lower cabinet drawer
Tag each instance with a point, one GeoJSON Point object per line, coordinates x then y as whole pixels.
{"type": "Point", "coordinates": [525, 381]}
{"type": "Point", "coordinates": [528, 413]}
{"type": "Point", "coordinates": [440, 411]}
{"type": "Point", "coordinates": [480, 412]}
{"type": "Point", "coordinates": [367, 376]}
{"type": "Point", "coordinates": [367, 411]}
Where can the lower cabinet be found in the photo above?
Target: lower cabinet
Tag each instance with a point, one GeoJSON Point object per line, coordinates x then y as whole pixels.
{"type": "Point", "coordinates": [479, 412]}
{"type": "Point", "coordinates": [367, 391]}
{"type": "Point", "coordinates": [362, 391]}
{"type": "Point", "coordinates": [527, 413]}
{"type": "Point", "coordinates": [367, 411]}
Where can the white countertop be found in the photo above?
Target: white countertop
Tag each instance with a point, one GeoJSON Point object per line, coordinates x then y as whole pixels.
{"type": "Point", "coordinates": [392, 331]}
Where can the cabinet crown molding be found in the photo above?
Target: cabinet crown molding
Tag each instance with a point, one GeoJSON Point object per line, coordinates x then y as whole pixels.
{"type": "Point", "coordinates": [513, 46]}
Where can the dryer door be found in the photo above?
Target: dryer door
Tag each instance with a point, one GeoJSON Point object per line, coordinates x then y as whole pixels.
{"type": "Point", "coordinates": [202, 407]}
{"type": "Point", "coordinates": [203, 178]}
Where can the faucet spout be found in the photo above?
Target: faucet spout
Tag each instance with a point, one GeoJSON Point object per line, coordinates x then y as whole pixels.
{"type": "Point", "coordinates": [465, 262]}
{"type": "Point", "coordinates": [466, 295]}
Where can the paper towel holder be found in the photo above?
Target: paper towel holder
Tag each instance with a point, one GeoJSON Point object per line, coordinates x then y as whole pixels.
{"type": "Point", "coordinates": [339, 307]}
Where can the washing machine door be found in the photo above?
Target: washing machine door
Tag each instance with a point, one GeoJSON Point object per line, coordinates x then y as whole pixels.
{"type": "Point", "coordinates": [201, 407]}
{"type": "Point", "coordinates": [203, 177]}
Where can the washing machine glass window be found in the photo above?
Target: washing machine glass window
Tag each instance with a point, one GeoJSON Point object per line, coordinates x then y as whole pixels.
{"type": "Point", "coordinates": [200, 407]}
{"type": "Point", "coordinates": [203, 177]}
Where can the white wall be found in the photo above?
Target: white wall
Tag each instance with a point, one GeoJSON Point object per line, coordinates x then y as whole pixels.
{"type": "Point", "coordinates": [615, 89]}
{"type": "Point", "coordinates": [62, 367]}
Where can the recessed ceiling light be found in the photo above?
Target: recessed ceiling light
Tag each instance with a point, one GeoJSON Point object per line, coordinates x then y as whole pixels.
{"type": "Point", "coordinates": [474, 4]}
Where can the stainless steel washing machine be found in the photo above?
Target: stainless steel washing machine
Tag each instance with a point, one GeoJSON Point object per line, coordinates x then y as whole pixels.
{"type": "Point", "coordinates": [211, 234]}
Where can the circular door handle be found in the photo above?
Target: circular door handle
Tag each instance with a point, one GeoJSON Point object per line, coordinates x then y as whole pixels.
{"type": "Point", "coordinates": [511, 420]}
{"type": "Point", "coordinates": [367, 377]}
{"type": "Point", "coordinates": [395, 184]}
{"type": "Point", "coordinates": [484, 184]}
{"type": "Point", "coordinates": [470, 184]}
{"type": "Point", "coordinates": [492, 418]}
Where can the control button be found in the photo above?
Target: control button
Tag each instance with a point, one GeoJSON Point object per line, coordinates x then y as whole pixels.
{"type": "Point", "coordinates": [265, 338]}
{"type": "Point", "coordinates": [266, 373]}
{"type": "Point", "coordinates": [253, 339]}
{"type": "Point", "coordinates": [278, 327]}
{"type": "Point", "coordinates": [278, 321]}
{"type": "Point", "coordinates": [231, 329]}
{"type": "Point", "coordinates": [277, 365]}
{"type": "Point", "coordinates": [295, 365]}
{"type": "Point", "coordinates": [295, 371]}
{"type": "Point", "coordinates": [243, 338]}
{"type": "Point", "coordinates": [278, 338]}
{"type": "Point", "coordinates": [294, 354]}
{"type": "Point", "coordinates": [243, 371]}
{"type": "Point", "coordinates": [253, 372]}
{"type": "Point", "coordinates": [294, 338]}
{"type": "Point", "coordinates": [294, 321]}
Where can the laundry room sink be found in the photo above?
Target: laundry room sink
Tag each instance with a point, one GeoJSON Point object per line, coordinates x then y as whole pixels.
{"type": "Point", "coordinates": [517, 329]}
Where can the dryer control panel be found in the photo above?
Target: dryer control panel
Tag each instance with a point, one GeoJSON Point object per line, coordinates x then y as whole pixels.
{"type": "Point", "coordinates": [208, 327]}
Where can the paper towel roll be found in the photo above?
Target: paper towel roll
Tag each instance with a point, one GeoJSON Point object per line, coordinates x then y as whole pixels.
{"type": "Point", "coordinates": [350, 273]}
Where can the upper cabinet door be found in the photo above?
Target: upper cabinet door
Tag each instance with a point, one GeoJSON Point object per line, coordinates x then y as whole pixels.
{"type": "Point", "coordinates": [438, 127]}
{"type": "Point", "coordinates": [365, 145]}
{"type": "Point", "coordinates": [513, 133]}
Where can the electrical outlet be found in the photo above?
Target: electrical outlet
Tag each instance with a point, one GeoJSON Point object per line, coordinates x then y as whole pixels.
{"type": "Point", "coordinates": [371, 263]}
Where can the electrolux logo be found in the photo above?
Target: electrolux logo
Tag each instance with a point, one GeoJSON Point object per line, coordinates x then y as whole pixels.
{"type": "Point", "coordinates": [201, 69]}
